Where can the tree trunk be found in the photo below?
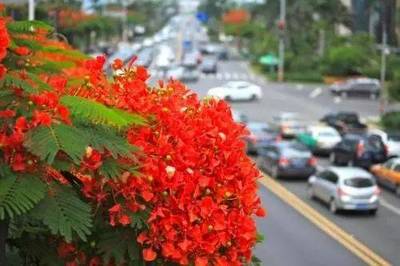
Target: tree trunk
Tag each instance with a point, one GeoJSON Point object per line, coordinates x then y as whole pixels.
{"type": "Point", "coordinates": [3, 238]}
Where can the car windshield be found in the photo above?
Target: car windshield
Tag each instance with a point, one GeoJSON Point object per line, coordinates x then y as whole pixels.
{"type": "Point", "coordinates": [359, 182]}
{"type": "Point", "coordinates": [327, 134]}
{"type": "Point", "coordinates": [374, 143]}
{"type": "Point", "coordinates": [260, 128]}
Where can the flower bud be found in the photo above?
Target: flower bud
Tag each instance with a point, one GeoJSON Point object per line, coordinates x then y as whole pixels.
{"type": "Point", "coordinates": [170, 171]}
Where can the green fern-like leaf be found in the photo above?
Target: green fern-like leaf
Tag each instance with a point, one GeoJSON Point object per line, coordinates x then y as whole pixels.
{"type": "Point", "coordinates": [64, 213]}
{"type": "Point", "coordinates": [19, 194]}
{"type": "Point", "coordinates": [102, 139]}
{"type": "Point", "coordinates": [28, 27]}
{"type": "Point", "coordinates": [100, 114]}
{"type": "Point", "coordinates": [72, 53]}
{"type": "Point", "coordinates": [46, 142]}
{"type": "Point", "coordinates": [119, 245]}
{"type": "Point", "coordinates": [41, 84]}
{"type": "Point", "coordinates": [17, 82]}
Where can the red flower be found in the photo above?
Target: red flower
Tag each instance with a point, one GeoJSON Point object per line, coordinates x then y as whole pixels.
{"type": "Point", "coordinates": [65, 249]}
{"type": "Point", "coordinates": [22, 50]}
{"type": "Point", "coordinates": [141, 73]}
{"type": "Point", "coordinates": [4, 38]}
{"type": "Point", "coordinates": [7, 113]}
{"type": "Point", "coordinates": [149, 254]}
{"type": "Point", "coordinates": [117, 64]}
{"type": "Point", "coordinates": [41, 118]}
{"type": "Point", "coordinates": [21, 124]}
{"type": "Point", "coordinates": [64, 113]}
{"type": "Point", "coordinates": [18, 163]}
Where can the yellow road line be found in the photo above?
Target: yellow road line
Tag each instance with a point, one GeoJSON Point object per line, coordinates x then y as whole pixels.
{"type": "Point", "coordinates": [344, 238]}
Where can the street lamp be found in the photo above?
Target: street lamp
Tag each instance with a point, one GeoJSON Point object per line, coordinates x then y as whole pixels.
{"type": "Point", "coordinates": [31, 9]}
{"type": "Point", "coordinates": [282, 25]}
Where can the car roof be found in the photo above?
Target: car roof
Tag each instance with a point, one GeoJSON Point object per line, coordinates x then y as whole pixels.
{"type": "Point", "coordinates": [257, 125]}
{"type": "Point", "coordinates": [237, 83]}
{"type": "Point", "coordinates": [349, 172]}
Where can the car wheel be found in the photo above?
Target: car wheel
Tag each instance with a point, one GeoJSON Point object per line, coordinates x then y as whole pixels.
{"type": "Point", "coordinates": [350, 163]}
{"type": "Point", "coordinates": [274, 172]}
{"type": "Point", "coordinates": [332, 206]}
{"type": "Point", "coordinates": [228, 98]}
{"type": "Point", "coordinates": [253, 97]}
{"type": "Point", "coordinates": [373, 212]}
{"type": "Point", "coordinates": [373, 96]}
{"type": "Point", "coordinates": [310, 192]}
{"type": "Point", "coordinates": [332, 158]}
{"type": "Point", "coordinates": [398, 190]}
{"type": "Point", "coordinates": [343, 94]}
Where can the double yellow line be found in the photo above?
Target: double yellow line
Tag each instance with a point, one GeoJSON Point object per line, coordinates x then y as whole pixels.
{"type": "Point", "coordinates": [344, 238]}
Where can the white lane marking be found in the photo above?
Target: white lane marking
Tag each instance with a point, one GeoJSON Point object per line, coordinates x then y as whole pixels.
{"type": "Point", "coordinates": [235, 75]}
{"type": "Point", "coordinates": [389, 206]}
{"type": "Point", "coordinates": [219, 76]}
{"type": "Point", "coordinates": [316, 92]}
{"type": "Point", "coordinates": [227, 75]}
{"type": "Point", "coordinates": [299, 87]}
{"type": "Point", "coordinates": [337, 99]}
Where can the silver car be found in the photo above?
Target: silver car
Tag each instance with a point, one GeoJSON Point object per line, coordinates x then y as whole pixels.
{"type": "Point", "coordinates": [345, 188]}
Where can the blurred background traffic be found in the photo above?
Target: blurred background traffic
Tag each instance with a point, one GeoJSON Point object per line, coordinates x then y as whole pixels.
{"type": "Point", "coordinates": [315, 82]}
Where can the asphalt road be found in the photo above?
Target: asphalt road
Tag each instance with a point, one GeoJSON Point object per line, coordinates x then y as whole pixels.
{"type": "Point", "coordinates": [290, 238]}
{"type": "Point", "coordinates": [380, 233]}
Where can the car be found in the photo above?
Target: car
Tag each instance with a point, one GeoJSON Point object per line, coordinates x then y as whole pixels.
{"type": "Point", "coordinates": [345, 188]}
{"type": "Point", "coordinates": [209, 65]}
{"type": "Point", "coordinates": [289, 159]}
{"type": "Point", "coordinates": [191, 59]}
{"type": "Point", "coordinates": [357, 86]}
{"type": "Point", "coordinates": [239, 117]}
{"type": "Point", "coordinates": [391, 140]}
{"type": "Point", "coordinates": [388, 174]}
{"type": "Point", "coordinates": [236, 91]}
{"type": "Point", "coordinates": [362, 150]}
{"type": "Point", "coordinates": [288, 124]}
{"type": "Point", "coordinates": [261, 134]}
{"type": "Point", "coordinates": [344, 122]}
{"type": "Point", "coordinates": [183, 73]}
{"type": "Point", "coordinates": [320, 139]}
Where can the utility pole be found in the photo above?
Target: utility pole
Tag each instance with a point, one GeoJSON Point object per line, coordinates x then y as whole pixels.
{"type": "Point", "coordinates": [282, 28]}
{"type": "Point", "coordinates": [31, 9]}
{"type": "Point", "coordinates": [384, 48]}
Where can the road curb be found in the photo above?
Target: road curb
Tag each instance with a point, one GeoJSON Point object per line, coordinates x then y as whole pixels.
{"type": "Point", "coordinates": [334, 231]}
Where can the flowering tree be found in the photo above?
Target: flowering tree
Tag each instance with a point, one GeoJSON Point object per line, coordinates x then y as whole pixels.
{"type": "Point", "coordinates": [100, 172]}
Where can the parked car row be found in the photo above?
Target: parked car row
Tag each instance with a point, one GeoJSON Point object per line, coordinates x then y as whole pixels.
{"type": "Point", "coordinates": [360, 158]}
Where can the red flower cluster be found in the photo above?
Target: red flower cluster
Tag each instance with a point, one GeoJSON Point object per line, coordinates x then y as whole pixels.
{"type": "Point", "coordinates": [4, 38]}
{"type": "Point", "coordinates": [196, 178]}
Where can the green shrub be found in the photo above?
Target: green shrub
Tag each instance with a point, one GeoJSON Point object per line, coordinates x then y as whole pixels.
{"type": "Point", "coordinates": [391, 120]}
{"type": "Point", "coordinates": [344, 60]}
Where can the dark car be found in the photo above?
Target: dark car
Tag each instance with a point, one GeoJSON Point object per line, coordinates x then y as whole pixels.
{"type": "Point", "coordinates": [344, 122]}
{"type": "Point", "coordinates": [287, 159]}
{"type": "Point", "coordinates": [357, 87]}
{"type": "Point", "coordinates": [261, 134]}
{"type": "Point", "coordinates": [361, 150]}
{"type": "Point", "coordinates": [209, 65]}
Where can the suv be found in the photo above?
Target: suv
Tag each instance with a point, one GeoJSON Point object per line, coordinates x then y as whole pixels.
{"type": "Point", "coordinates": [359, 150]}
{"type": "Point", "coordinates": [358, 86]}
{"type": "Point", "coordinates": [344, 122]}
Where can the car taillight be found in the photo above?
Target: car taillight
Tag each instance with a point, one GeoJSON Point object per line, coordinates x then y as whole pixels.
{"type": "Point", "coordinates": [377, 191]}
{"type": "Point", "coordinates": [283, 161]}
{"type": "Point", "coordinates": [386, 150]}
{"type": "Point", "coordinates": [312, 161]}
{"type": "Point", "coordinates": [360, 149]}
{"type": "Point", "coordinates": [253, 138]}
{"type": "Point", "coordinates": [340, 192]}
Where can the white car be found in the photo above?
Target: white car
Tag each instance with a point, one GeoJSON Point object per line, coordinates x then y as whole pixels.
{"type": "Point", "coordinates": [391, 140]}
{"type": "Point", "coordinates": [325, 138]}
{"type": "Point", "coordinates": [237, 90]}
{"type": "Point", "coordinates": [289, 124]}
